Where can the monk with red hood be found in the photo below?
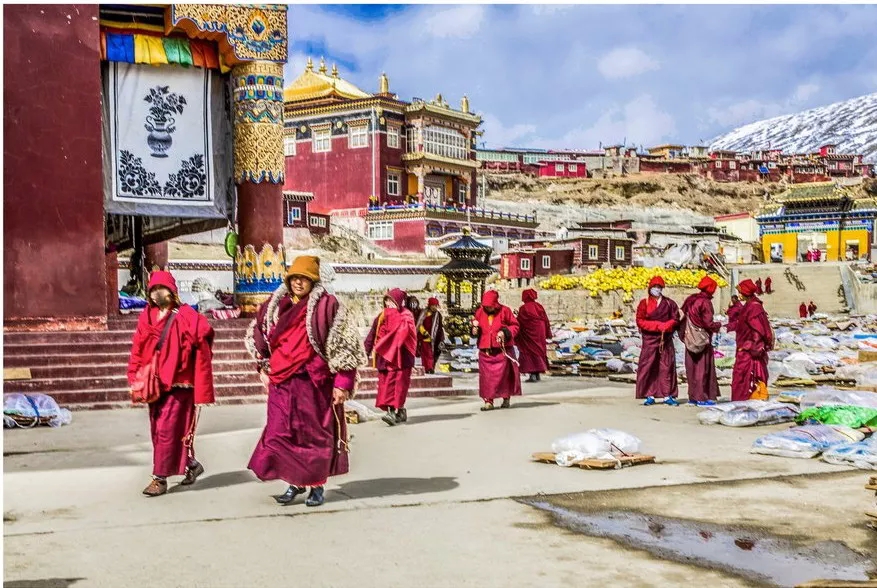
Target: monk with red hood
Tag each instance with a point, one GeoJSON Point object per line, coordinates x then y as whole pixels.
{"type": "Point", "coordinates": [700, 366]}
{"type": "Point", "coordinates": [430, 334]}
{"type": "Point", "coordinates": [535, 329]}
{"type": "Point", "coordinates": [754, 340]}
{"type": "Point", "coordinates": [392, 345]}
{"type": "Point", "coordinates": [307, 351]}
{"type": "Point", "coordinates": [496, 328]}
{"type": "Point", "coordinates": [184, 340]}
{"type": "Point", "coordinates": [657, 318]}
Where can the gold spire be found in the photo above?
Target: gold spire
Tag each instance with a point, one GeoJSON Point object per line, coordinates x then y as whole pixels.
{"type": "Point", "coordinates": [334, 71]}
{"type": "Point", "coordinates": [384, 84]}
{"type": "Point", "coordinates": [464, 104]}
{"type": "Point", "coordinates": [438, 99]}
{"type": "Point", "coordinates": [322, 65]}
{"type": "Point", "coordinates": [310, 65]}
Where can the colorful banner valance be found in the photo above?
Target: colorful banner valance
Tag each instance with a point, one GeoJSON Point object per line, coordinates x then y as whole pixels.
{"type": "Point", "coordinates": [155, 49]}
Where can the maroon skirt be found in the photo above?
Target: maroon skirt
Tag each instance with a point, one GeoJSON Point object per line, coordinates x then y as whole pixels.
{"type": "Point", "coordinates": [170, 420]}
{"type": "Point", "coordinates": [498, 376]}
{"type": "Point", "coordinates": [393, 388]}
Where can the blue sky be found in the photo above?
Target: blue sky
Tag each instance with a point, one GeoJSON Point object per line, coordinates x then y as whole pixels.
{"type": "Point", "coordinates": [575, 76]}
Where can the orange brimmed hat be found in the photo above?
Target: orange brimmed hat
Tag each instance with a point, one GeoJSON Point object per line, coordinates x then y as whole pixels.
{"type": "Point", "coordinates": [307, 266]}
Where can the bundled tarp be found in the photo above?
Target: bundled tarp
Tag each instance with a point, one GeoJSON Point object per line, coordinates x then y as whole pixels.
{"type": "Point", "coordinates": [826, 396]}
{"type": "Point", "coordinates": [748, 413]}
{"type": "Point", "coordinates": [805, 442]}
{"type": "Point", "coordinates": [30, 410]}
{"type": "Point", "coordinates": [594, 444]}
{"type": "Point", "coordinates": [862, 455]}
{"type": "Point", "coordinates": [848, 416]}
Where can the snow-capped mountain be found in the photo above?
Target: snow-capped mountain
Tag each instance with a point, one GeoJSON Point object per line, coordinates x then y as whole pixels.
{"type": "Point", "coordinates": [851, 125]}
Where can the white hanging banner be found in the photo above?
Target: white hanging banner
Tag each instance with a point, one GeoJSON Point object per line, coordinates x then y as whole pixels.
{"type": "Point", "coordinates": [160, 134]}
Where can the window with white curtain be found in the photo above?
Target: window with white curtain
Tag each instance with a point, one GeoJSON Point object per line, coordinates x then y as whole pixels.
{"type": "Point", "coordinates": [289, 146]}
{"type": "Point", "coordinates": [322, 141]}
{"type": "Point", "coordinates": [357, 136]}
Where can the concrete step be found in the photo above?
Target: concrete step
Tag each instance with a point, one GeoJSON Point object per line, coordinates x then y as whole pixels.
{"type": "Point", "coordinates": [96, 348]}
{"type": "Point", "coordinates": [34, 359]}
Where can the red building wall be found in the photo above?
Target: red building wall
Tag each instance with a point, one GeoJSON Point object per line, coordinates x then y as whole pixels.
{"type": "Point", "coordinates": [510, 265]}
{"type": "Point", "coordinates": [55, 264]}
{"type": "Point", "coordinates": [408, 236]}
{"type": "Point", "coordinates": [561, 261]}
{"type": "Point", "coordinates": [549, 170]}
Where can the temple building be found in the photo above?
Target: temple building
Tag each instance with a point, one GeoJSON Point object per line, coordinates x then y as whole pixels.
{"type": "Point", "coordinates": [402, 173]}
{"type": "Point", "coordinates": [820, 216]}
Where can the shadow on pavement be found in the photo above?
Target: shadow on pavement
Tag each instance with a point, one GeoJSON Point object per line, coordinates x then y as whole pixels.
{"type": "Point", "coordinates": [395, 487]}
{"type": "Point", "coordinates": [431, 418]}
{"type": "Point", "coordinates": [532, 404]}
{"type": "Point", "coordinates": [221, 480]}
{"type": "Point", "coordinates": [47, 583]}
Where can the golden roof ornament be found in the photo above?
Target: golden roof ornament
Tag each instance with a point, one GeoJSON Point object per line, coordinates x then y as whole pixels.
{"type": "Point", "coordinates": [310, 65]}
{"type": "Point", "coordinates": [464, 104]}
{"type": "Point", "coordinates": [334, 71]}
{"type": "Point", "coordinates": [322, 65]}
{"type": "Point", "coordinates": [384, 84]}
{"type": "Point", "coordinates": [438, 99]}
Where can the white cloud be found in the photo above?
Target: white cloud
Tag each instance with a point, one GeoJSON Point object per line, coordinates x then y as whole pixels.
{"type": "Point", "coordinates": [804, 92]}
{"type": "Point", "coordinates": [498, 135]}
{"type": "Point", "coordinates": [640, 121]}
{"type": "Point", "coordinates": [752, 110]}
{"type": "Point", "coordinates": [460, 21]}
{"type": "Point", "coordinates": [626, 62]}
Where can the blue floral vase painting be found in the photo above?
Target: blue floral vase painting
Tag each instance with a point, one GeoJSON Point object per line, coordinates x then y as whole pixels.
{"type": "Point", "coordinates": [160, 121]}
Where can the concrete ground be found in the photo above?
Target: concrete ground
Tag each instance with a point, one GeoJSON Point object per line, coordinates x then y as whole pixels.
{"type": "Point", "coordinates": [431, 503]}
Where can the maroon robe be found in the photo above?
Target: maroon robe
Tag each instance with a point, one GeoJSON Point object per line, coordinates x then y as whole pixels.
{"type": "Point", "coordinates": [302, 443]}
{"type": "Point", "coordinates": [733, 314]}
{"type": "Point", "coordinates": [393, 332]}
{"type": "Point", "coordinates": [754, 340]}
{"type": "Point", "coordinates": [535, 328]}
{"type": "Point", "coordinates": [498, 375]}
{"type": "Point", "coordinates": [700, 368]}
{"type": "Point", "coordinates": [656, 373]}
{"type": "Point", "coordinates": [430, 336]}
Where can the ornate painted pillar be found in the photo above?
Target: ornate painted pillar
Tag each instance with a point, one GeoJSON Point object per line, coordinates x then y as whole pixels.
{"type": "Point", "coordinates": [259, 171]}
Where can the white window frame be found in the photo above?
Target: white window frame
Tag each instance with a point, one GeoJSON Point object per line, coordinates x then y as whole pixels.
{"type": "Point", "coordinates": [394, 179]}
{"type": "Point", "coordinates": [558, 168]}
{"type": "Point", "coordinates": [619, 253]}
{"type": "Point", "coordinates": [771, 165]}
{"type": "Point", "coordinates": [293, 214]}
{"type": "Point", "coordinates": [380, 231]}
{"type": "Point", "coordinates": [546, 262]}
{"type": "Point", "coordinates": [525, 264]}
{"type": "Point", "coordinates": [462, 192]}
{"type": "Point", "coordinates": [357, 136]}
{"type": "Point", "coordinates": [289, 146]}
{"type": "Point", "coordinates": [732, 165]}
{"type": "Point", "coordinates": [444, 142]}
{"type": "Point", "coordinates": [593, 252]}
{"type": "Point", "coordinates": [572, 168]}
{"type": "Point", "coordinates": [718, 165]}
{"type": "Point", "coordinates": [322, 139]}
{"type": "Point", "coordinates": [393, 140]}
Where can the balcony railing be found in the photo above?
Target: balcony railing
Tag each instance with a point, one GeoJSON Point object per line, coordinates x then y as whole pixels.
{"type": "Point", "coordinates": [457, 211]}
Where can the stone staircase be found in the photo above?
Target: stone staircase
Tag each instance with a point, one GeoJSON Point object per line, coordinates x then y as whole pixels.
{"type": "Point", "coordinates": [820, 281]}
{"type": "Point", "coordinates": [87, 369]}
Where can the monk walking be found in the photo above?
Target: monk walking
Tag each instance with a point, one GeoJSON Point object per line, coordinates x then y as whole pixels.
{"type": "Point", "coordinates": [392, 345]}
{"type": "Point", "coordinates": [535, 329]}
{"type": "Point", "coordinates": [496, 327]}
{"type": "Point", "coordinates": [768, 285]}
{"type": "Point", "coordinates": [802, 310]}
{"type": "Point", "coordinates": [430, 335]}
{"type": "Point", "coordinates": [700, 366]}
{"type": "Point", "coordinates": [183, 340]}
{"type": "Point", "coordinates": [307, 352]}
{"type": "Point", "coordinates": [811, 309]}
{"type": "Point", "coordinates": [754, 340]}
{"type": "Point", "coordinates": [657, 318]}
{"type": "Point", "coordinates": [734, 310]}
{"type": "Point", "coordinates": [758, 288]}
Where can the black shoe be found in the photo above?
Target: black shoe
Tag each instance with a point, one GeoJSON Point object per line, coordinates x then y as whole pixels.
{"type": "Point", "coordinates": [389, 417]}
{"type": "Point", "coordinates": [315, 498]}
{"type": "Point", "coordinates": [289, 496]}
{"type": "Point", "coordinates": [538, 377]}
{"type": "Point", "coordinates": [506, 403]}
{"type": "Point", "coordinates": [401, 415]}
{"type": "Point", "coordinates": [533, 378]}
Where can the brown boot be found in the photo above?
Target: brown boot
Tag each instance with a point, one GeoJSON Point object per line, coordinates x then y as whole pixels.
{"type": "Point", "coordinates": [156, 488]}
{"type": "Point", "coordinates": [192, 474]}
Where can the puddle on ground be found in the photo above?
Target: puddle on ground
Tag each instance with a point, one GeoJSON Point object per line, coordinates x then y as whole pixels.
{"type": "Point", "coordinates": [753, 555]}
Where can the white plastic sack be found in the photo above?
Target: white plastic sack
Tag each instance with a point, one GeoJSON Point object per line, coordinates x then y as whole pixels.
{"type": "Point", "coordinates": [862, 455]}
{"type": "Point", "coordinates": [825, 396]}
{"type": "Point", "coordinates": [799, 365]}
{"type": "Point", "coordinates": [594, 444]}
{"type": "Point", "coordinates": [31, 409]}
{"type": "Point", "coordinates": [805, 442]}
{"type": "Point", "coordinates": [619, 441]}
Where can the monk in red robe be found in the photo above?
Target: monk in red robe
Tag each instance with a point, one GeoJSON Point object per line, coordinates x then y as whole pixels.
{"type": "Point", "coordinates": [657, 318]}
{"type": "Point", "coordinates": [700, 368]}
{"type": "Point", "coordinates": [754, 340]}
{"type": "Point", "coordinates": [496, 328]}
{"type": "Point", "coordinates": [535, 329]}
{"type": "Point", "coordinates": [307, 352]}
{"type": "Point", "coordinates": [430, 335]}
{"type": "Point", "coordinates": [186, 379]}
{"type": "Point", "coordinates": [802, 310]}
{"type": "Point", "coordinates": [811, 309]}
{"type": "Point", "coordinates": [392, 345]}
{"type": "Point", "coordinates": [758, 288]}
{"type": "Point", "coordinates": [734, 310]}
{"type": "Point", "coordinates": [768, 285]}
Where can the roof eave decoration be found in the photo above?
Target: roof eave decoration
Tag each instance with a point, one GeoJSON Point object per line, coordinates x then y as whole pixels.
{"type": "Point", "coordinates": [418, 106]}
{"type": "Point", "coordinates": [244, 33]}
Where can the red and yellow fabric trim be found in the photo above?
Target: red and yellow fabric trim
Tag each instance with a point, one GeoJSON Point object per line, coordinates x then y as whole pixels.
{"type": "Point", "coordinates": [138, 43]}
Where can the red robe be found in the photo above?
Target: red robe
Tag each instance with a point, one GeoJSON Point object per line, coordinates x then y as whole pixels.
{"type": "Point", "coordinates": [733, 314]}
{"type": "Point", "coordinates": [802, 310]}
{"type": "Point", "coordinates": [430, 336]}
{"type": "Point", "coordinates": [186, 373]}
{"type": "Point", "coordinates": [535, 328]}
{"type": "Point", "coordinates": [754, 340]}
{"type": "Point", "coordinates": [301, 442]}
{"type": "Point", "coordinates": [656, 372]}
{"type": "Point", "coordinates": [768, 286]}
{"type": "Point", "coordinates": [498, 376]}
{"type": "Point", "coordinates": [392, 341]}
{"type": "Point", "coordinates": [700, 368]}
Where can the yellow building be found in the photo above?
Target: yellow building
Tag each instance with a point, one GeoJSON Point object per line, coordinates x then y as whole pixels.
{"type": "Point", "coordinates": [820, 216]}
{"type": "Point", "coordinates": [667, 151]}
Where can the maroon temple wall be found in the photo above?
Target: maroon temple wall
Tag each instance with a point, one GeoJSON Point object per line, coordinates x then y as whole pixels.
{"type": "Point", "coordinates": [53, 233]}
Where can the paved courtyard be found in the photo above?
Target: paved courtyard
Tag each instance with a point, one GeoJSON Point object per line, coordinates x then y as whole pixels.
{"type": "Point", "coordinates": [442, 501]}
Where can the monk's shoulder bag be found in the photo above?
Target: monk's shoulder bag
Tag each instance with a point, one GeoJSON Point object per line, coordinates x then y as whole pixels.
{"type": "Point", "coordinates": [696, 338]}
{"type": "Point", "coordinates": [147, 385]}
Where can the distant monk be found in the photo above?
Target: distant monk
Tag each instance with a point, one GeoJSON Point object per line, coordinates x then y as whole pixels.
{"type": "Point", "coordinates": [811, 309]}
{"type": "Point", "coordinates": [758, 287]}
{"type": "Point", "coordinates": [413, 305]}
{"type": "Point", "coordinates": [392, 344]}
{"type": "Point", "coordinates": [734, 310]}
{"type": "Point", "coordinates": [657, 317]}
{"type": "Point", "coordinates": [535, 328]}
{"type": "Point", "coordinates": [768, 285]}
{"type": "Point", "coordinates": [496, 327]}
{"type": "Point", "coordinates": [430, 335]}
{"type": "Point", "coordinates": [703, 386]}
{"type": "Point", "coordinates": [802, 310]}
{"type": "Point", "coordinates": [754, 340]}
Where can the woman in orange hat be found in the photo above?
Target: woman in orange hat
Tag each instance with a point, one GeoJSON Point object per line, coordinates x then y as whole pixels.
{"type": "Point", "coordinates": [754, 340]}
{"type": "Point", "coordinates": [657, 318]}
{"type": "Point", "coordinates": [697, 330]}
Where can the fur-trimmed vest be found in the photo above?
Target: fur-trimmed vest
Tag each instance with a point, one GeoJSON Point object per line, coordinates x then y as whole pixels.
{"type": "Point", "coordinates": [339, 346]}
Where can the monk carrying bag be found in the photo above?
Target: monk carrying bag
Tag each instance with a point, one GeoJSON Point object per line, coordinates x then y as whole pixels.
{"type": "Point", "coordinates": [147, 386]}
{"type": "Point", "coordinates": [696, 339]}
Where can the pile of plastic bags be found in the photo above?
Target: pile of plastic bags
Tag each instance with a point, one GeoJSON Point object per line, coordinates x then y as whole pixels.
{"type": "Point", "coordinates": [806, 441]}
{"type": "Point", "coordinates": [30, 410]}
{"type": "Point", "coordinates": [748, 413]}
{"type": "Point", "coordinates": [862, 455]}
{"type": "Point", "coordinates": [594, 444]}
{"type": "Point", "coordinates": [848, 416]}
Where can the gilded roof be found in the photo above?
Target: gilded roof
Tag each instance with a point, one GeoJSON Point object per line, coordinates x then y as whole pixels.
{"type": "Point", "coordinates": [314, 84]}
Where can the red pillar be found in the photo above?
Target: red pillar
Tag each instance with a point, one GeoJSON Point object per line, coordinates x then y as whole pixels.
{"type": "Point", "coordinates": [112, 263]}
{"type": "Point", "coordinates": [156, 255]}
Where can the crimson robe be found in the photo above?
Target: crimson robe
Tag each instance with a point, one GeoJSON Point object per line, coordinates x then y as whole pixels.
{"type": "Point", "coordinates": [754, 340]}
{"type": "Point", "coordinates": [733, 314]}
{"type": "Point", "coordinates": [392, 341]}
{"type": "Point", "coordinates": [304, 432]}
{"type": "Point", "coordinates": [656, 372]}
{"type": "Point", "coordinates": [535, 328]}
{"type": "Point", "coordinates": [700, 368]}
{"type": "Point", "coordinates": [430, 336]}
{"type": "Point", "coordinates": [498, 376]}
{"type": "Point", "coordinates": [185, 371]}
